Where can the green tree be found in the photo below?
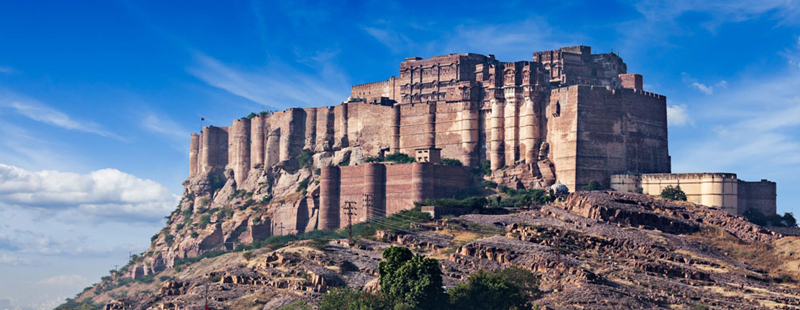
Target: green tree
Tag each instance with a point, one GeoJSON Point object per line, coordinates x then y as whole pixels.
{"type": "Point", "coordinates": [592, 186]}
{"type": "Point", "coordinates": [673, 193]}
{"type": "Point", "coordinates": [413, 280]}
{"type": "Point", "coordinates": [347, 298]}
{"type": "Point", "coordinates": [789, 220]}
{"type": "Point", "coordinates": [509, 288]}
{"type": "Point", "coordinates": [755, 217]}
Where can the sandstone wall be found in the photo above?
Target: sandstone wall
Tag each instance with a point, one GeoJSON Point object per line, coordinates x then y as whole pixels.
{"type": "Point", "coordinates": [760, 195]}
{"type": "Point", "coordinates": [710, 189]}
{"type": "Point", "coordinates": [391, 188]}
{"type": "Point", "coordinates": [374, 91]}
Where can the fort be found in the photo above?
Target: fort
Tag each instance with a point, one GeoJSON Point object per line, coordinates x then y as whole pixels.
{"type": "Point", "coordinates": [567, 116]}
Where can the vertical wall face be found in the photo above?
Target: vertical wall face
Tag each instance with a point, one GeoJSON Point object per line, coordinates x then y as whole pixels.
{"type": "Point", "coordinates": [760, 196]}
{"type": "Point", "coordinates": [631, 81]}
{"type": "Point", "coordinates": [273, 152]}
{"type": "Point", "coordinates": [711, 189]}
{"type": "Point", "coordinates": [214, 148]}
{"type": "Point", "coordinates": [422, 181]}
{"type": "Point", "coordinates": [497, 157]}
{"type": "Point", "coordinates": [511, 125]}
{"type": "Point", "coordinates": [395, 147]}
{"type": "Point", "coordinates": [194, 152]}
{"type": "Point", "coordinates": [329, 185]}
{"type": "Point", "coordinates": [374, 202]}
{"type": "Point", "coordinates": [562, 133]}
{"type": "Point", "coordinates": [311, 128]}
{"type": "Point", "coordinates": [470, 135]}
{"type": "Point", "coordinates": [239, 149]}
{"type": "Point", "coordinates": [258, 130]}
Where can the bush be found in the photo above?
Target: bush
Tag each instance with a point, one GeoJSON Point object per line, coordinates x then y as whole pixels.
{"type": "Point", "coordinates": [305, 159]}
{"type": "Point", "coordinates": [518, 198]}
{"type": "Point", "coordinates": [247, 255]}
{"type": "Point", "coordinates": [451, 162]}
{"type": "Point", "coordinates": [473, 204]}
{"type": "Point", "coordinates": [399, 158]}
{"type": "Point", "coordinates": [169, 239]}
{"type": "Point", "coordinates": [344, 163]}
{"type": "Point", "coordinates": [673, 193]}
{"type": "Point", "coordinates": [509, 288]}
{"type": "Point", "coordinates": [411, 279]}
{"type": "Point", "coordinates": [205, 220]}
{"type": "Point", "coordinates": [266, 199]}
{"type": "Point", "coordinates": [485, 168]}
{"type": "Point", "coordinates": [592, 186]}
{"type": "Point", "coordinates": [303, 185]}
{"type": "Point", "coordinates": [348, 298]}
{"type": "Point", "coordinates": [489, 184]}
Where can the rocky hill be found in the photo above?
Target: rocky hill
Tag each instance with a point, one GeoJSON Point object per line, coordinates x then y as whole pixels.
{"type": "Point", "coordinates": [592, 250]}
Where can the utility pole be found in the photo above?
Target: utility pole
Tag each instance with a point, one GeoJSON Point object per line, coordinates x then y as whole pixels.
{"type": "Point", "coordinates": [349, 207]}
{"type": "Point", "coordinates": [368, 207]}
{"type": "Point", "coordinates": [558, 259]}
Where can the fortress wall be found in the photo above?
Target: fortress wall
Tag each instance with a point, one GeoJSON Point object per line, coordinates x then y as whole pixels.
{"type": "Point", "coordinates": [398, 188]}
{"type": "Point", "coordinates": [352, 189]}
{"type": "Point", "coordinates": [325, 128]}
{"type": "Point", "coordinates": [619, 131]}
{"type": "Point", "coordinates": [448, 129]}
{"type": "Point", "coordinates": [511, 125]}
{"type": "Point", "coordinates": [647, 146]}
{"type": "Point", "coordinates": [340, 126]}
{"type": "Point", "coordinates": [710, 189]}
{"type": "Point", "coordinates": [561, 132]}
{"type": "Point", "coordinates": [373, 128]}
{"type": "Point", "coordinates": [194, 152]}
{"type": "Point", "coordinates": [469, 118]}
{"type": "Point", "coordinates": [497, 135]}
{"type": "Point", "coordinates": [759, 195]}
{"type": "Point", "coordinates": [292, 125]}
{"type": "Point", "coordinates": [239, 149]}
{"type": "Point", "coordinates": [311, 129]}
{"type": "Point", "coordinates": [601, 136]}
{"type": "Point", "coordinates": [413, 126]}
{"type": "Point", "coordinates": [329, 188]}
{"type": "Point", "coordinates": [258, 139]}
{"type": "Point", "coordinates": [631, 81]}
{"type": "Point", "coordinates": [626, 182]}
{"type": "Point", "coordinates": [214, 144]}
{"type": "Point", "coordinates": [450, 180]}
{"type": "Point", "coordinates": [374, 91]}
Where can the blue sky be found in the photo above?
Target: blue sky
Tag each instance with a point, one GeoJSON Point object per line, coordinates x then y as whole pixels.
{"type": "Point", "coordinates": [97, 98]}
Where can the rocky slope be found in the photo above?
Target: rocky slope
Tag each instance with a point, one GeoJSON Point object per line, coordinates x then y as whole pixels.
{"type": "Point", "coordinates": [594, 250]}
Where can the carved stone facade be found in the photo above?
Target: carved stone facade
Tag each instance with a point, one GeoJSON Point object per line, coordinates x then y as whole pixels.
{"type": "Point", "coordinates": [567, 115]}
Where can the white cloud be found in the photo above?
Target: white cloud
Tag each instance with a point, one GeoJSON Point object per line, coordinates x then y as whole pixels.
{"type": "Point", "coordinates": [44, 114]}
{"type": "Point", "coordinates": [13, 260]}
{"type": "Point", "coordinates": [167, 128]}
{"type": "Point", "coordinates": [65, 280]}
{"type": "Point", "coordinates": [678, 115]}
{"type": "Point", "coordinates": [708, 90]}
{"type": "Point", "coordinates": [7, 70]}
{"type": "Point", "coordinates": [107, 193]}
{"type": "Point", "coordinates": [703, 88]}
{"type": "Point", "coordinates": [278, 86]}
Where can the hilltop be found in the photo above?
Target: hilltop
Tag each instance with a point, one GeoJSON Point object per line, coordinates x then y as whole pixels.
{"type": "Point", "coordinates": [609, 250]}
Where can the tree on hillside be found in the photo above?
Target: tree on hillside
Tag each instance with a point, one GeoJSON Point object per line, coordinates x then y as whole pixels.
{"type": "Point", "coordinates": [509, 288]}
{"type": "Point", "coordinates": [673, 193]}
{"type": "Point", "coordinates": [412, 280]}
{"type": "Point", "coordinates": [592, 186]}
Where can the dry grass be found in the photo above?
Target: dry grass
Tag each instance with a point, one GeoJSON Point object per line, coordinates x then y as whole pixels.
{"type": "Point", "coordinates": [248, 301]}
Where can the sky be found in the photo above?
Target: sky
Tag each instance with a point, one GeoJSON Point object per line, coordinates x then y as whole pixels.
{"type": "Point", "coordinates": [98, 98]}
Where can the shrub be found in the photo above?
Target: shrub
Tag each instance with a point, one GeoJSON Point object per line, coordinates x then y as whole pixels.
{"type": "Point", "coordinates": [344, 163]}
{"type": "Point", "coordinates": [169, 239]}
{"type": "Point", "coordinates": [266, 199]}
{"type": "Point", "coordinates": [489, 184]}
{"type": "Point", "coordinates": [165, 278]}
{"type": "Point", "coordinates": [411, 279]}
{"type": "Point", "coordinates": [673, 193]}
{"type": "Point", "coordinates": [217, 182]}
{"type": "Point", "coordinates": [250, 116]}
{"type": "Point", "coordinates": [399, 158]}
{"type": "Point", "coordinates": [195, 234]}
{"type": "Point", "coordinates": [509, 288]}
{"type": "Point", "coordinates": [238, 193]}
{"type": "Point", "coordinates": [592, 186]}
{"type": "Point", "coordinates": [247, 255]}
{"type": "Point", "coordinates": [302, 185]}
{"type": "Point", "coordinates": [348, 298]}
{"type": "Point", "coordinates": [305, 159]}
{"type": "Point", "coordinates": [205, 220]}
{"type": "Point", "coordinates": [473, 204]}
{"type": "Point", "coordinates": [451, 162]}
